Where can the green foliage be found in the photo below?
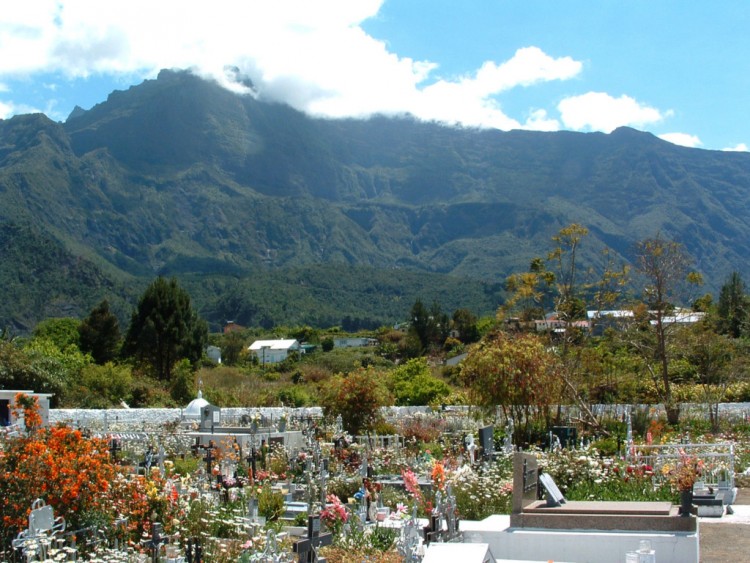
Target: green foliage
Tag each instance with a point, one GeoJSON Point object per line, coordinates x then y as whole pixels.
{"type": "Point", "coordinates": [181, 386]}
{"type": "Point", "coordinates": [294, 397]}
{"type": "Point", "coordinates": [233, 348]}
{"type": "Point", "coordinates": [733, 310]}
{"type": "Point", "coordinates": [327, 344]}
{"type": "Point", "coordinates": [103, 386]}
{"type": "Point", "coordinates": [413, 384]}
{"type": "Point", "coordinates": [99, 334]}
{"type": "Point", "coordinates": [465, 322]}
{"type": "Point", "coordinates": [635, 488]}
{"type": "Point", "coordinates": [383, 539]}
{"type": "Point", "coordinates": [62, 332]}
{"type": "Point", "coordinates": [20, 369]}
{"type": "Point", "coordinates": [270, 503]}
{"type": "Point", "coordinates": [58, 369]}
{"type": "Point", "coordinates": [165, 329]}
{"type": "Point", "coordinates": [428, 327]}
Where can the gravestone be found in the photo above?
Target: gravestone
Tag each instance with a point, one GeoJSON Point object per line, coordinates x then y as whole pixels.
{"type": "Point", "coordinates": [307, 548]}
{"type": "Point", "coordinates": [210, 418]}
{"type": "Point", "coordinates": [564, 436]}
{"type": "Point", "coordinates": [487, 441]}
{"type": "Point", "coordinates": [554, 496]}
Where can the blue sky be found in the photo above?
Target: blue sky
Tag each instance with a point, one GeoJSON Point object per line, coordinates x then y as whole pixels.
{"type": "Point", "coordinates": [678, 69]}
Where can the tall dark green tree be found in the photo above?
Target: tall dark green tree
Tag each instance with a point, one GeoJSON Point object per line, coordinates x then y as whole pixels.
{"type": "Point", "coordinates": [733, 307]}
{"type": "Point", "coordinates": [99, 334]}
{"type": "Point", "coordinates": [465, 322]}
{"type": "Point", "coordinates": [165, 329]}
{"type": "Point", "coordinates": [420, 323]}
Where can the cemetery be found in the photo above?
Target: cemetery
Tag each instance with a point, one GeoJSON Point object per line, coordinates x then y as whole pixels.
{"type": "Point", "coordinates": [204, 484]}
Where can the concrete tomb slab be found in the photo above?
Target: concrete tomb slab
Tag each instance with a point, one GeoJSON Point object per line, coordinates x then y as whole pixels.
{"type": "Point", "coordinates": [463, 552]}
{"type": "Point", "coordinates": [529, 511]}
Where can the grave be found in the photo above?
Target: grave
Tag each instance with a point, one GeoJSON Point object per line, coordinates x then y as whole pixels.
{"type": "Point", "coordinates": [43, 528]}
{"type": "Point", "coordinates": [307, 548]}
{"type": "Point", "coordinates": [463, 552]}
{"type": "Point", "coordinates": [545, 526]}
{"type": "Point", "coordinates": [709, 501]}
{"type": "Point", "coordinates": [554, 512]}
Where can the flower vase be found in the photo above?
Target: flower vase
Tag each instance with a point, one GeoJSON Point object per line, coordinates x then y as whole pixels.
{"type": "Point", "coordinates": [686, 503]}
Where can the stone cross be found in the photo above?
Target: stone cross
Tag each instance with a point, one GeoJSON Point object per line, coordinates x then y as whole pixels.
{"type": "Point", "coordinates": [323, 475]}
{"type": "Point", "coordinates": [434, 530]}
{"type": "Point", "coordinates": [155, 542]}
{"type": "Point", "coordinates": [194, 551]}
{"type": "Point", "coordinates": [160, 459]}
{"type": "Point", "coordinates": [251, 460]}
{"type": "Point", "coordinates": [339, 424]}
{"type": "Point", "coordinates": [148, 459]}
{"type": "Point", "coordinates": [307, 548]}
{"type": "Point", "coordinates": [471, 447]}
{"type": "Point", "coordinates": [630, 452]}
{"type": "Point", "coordinates": [209, 458]}
{"type": "Point", "coordinates": [508, 441]}
{"type": "Point", "coordinates": [114, 448]}
{"type": "Point", "coordinates": [411, 539]}
{"type": "Point", "coordinates": [449, 512]}
{"type": "Point", "coordinates": [270, 550]}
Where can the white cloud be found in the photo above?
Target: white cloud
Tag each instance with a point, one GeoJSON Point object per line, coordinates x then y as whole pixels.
{"type": "Point", "coordinates": [9, 109]}
{"type": "Point", "coordinates": [312, 55]}
{"type": "Point", "coordinates": [740, 147]}
{"type": "Point", "coordinates": [682, 139]}
{"type": "Point", "coordinates": [540, 121]}
{"type": "Point", "coordinates": [6, 110]}
{"type": "Point", "coordinates": [598, 111]}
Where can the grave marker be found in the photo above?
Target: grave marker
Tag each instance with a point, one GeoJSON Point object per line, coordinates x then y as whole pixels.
{"type": "Point", "coordinates": [487, 441]}
{"type": "Point", "coordinates": [307, 548]}
{"type": "Point", "coordinates": [554, 495]}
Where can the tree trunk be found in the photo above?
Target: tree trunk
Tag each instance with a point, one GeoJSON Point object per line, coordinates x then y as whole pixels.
{"type": "Point", "coordinates": [673, 414]}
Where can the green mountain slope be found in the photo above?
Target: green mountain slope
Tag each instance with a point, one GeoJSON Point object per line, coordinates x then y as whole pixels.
{"type": "Point", "coordinates": [178, 176]}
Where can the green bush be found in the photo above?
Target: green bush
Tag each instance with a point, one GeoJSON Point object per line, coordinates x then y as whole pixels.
{"type": "Point", "coordinates": [270, 503]}
{"type": "Point", "coordinates": [606, 446]}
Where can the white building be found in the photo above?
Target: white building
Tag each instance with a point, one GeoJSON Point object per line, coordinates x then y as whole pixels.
{"type": "Point", "coordinates": [274, 351]}
{"type": "Point", "coordinates": [214, 353]}
{"type": "Point", "coordinates": [7, 398]}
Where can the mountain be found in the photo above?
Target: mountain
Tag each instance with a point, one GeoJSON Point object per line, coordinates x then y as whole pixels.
{"type": "Point", "coordinates": [236, 196]}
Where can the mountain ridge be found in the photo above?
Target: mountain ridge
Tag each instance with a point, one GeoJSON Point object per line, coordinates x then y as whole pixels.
{"type": "Point", "coordinates": [178, 176]}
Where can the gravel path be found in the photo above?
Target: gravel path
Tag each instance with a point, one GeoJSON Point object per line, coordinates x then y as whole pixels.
{"type": "Point", "coordinates": [727, 539]}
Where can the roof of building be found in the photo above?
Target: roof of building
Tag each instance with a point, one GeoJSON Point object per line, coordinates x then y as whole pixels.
{"type": "Point", "coordinates": [274, 344]}
{"type": "Point", "coordinates": [617, 314]}
{"type": "Point", "coordinates": [194, 409]}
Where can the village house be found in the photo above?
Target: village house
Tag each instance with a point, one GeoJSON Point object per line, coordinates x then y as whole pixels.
{"type": "Point", "coordinates": [354, 342]}
{"type": "Point", "coordinates": [274, 351]}
{"type": "Point", "coordinates": [7, 397]}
